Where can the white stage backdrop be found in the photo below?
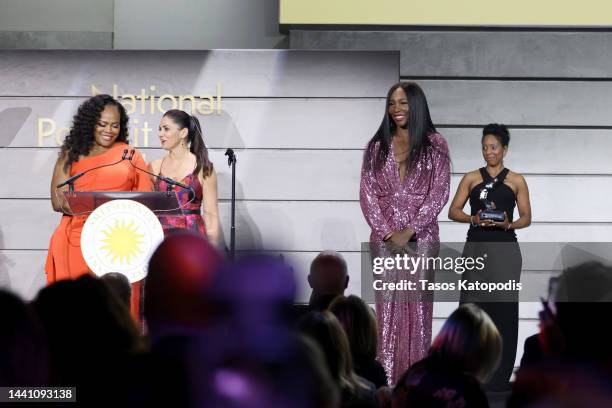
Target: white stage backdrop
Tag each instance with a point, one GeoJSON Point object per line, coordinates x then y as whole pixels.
{"type": "Point", "coordinates": [298, 121]}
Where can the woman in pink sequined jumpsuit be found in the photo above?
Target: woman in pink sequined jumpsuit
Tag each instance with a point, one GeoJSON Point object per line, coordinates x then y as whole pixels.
{"type": "Point", "coordinates": [405, 181]}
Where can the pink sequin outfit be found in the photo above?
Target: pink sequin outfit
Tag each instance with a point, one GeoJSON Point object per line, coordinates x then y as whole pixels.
{"type": "Point", "coordinates": [388, 204]}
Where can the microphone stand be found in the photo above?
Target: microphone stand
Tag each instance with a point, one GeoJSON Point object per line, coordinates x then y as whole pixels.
{"type": "Point", "coordinates": [231, 161]}
{"type": "Point", "coordinates": [169, 182]}
{"type": "Point", "coordinates": [70, 181]}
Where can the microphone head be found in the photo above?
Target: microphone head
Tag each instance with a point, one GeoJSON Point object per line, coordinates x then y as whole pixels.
{"type": "Point", "coordinates": [132, 152]}
{"type": "Point", "coordinates": [231, 157]}
{"type": "Point", "coordinates": [124, 155]}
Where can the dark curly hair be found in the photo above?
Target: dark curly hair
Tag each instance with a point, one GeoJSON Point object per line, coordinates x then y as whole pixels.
{"type": "Point", "coordinates": [80, 140]}
{"type": "Point", "coordinates": [500, 132]}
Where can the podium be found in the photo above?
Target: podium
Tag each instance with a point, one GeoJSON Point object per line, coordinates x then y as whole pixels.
{"type": "Point", "coordinates": [121, 232]}
{"type": "Point", "coordinates": [85, 202]}
{"type": "Point", "coordinates": [121, 228]}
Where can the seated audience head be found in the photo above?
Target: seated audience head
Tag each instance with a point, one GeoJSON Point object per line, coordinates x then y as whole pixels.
{"type": "Point", "coordinates": [178, 282]}
{"type": "Point", "coordinates": [578, 365]}
{"type": "Point", "coordinates": [119, 285]}
{"type": "Point", "coordinates": [328, 276]}
{"type": "Point", "coordinates": [24, 355]}
{"type": "Point", "coordinates": [582, 291]}
{"type": "Point", "coordinates": [84, 314]}
{"type": "Point", "coordinates": [327, 332]}
{"type": "Point", "coordinates": [359, 323]}
{"type": "Point", "coordinates": [463, 355]}
{"type": "Point", "coordinates": [470, 341]}
{"type": "Point", "coordinates": [256, 289]}
{"type": "Point", "coordinates": [86, 326]}
{"type": "Point", "coordinates": [324, 391]}
{"type": "Point", "coordinates": [250, 374]}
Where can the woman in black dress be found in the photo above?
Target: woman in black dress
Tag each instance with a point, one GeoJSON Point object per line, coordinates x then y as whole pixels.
{"type": "Point", "coordinates": [500, 189]}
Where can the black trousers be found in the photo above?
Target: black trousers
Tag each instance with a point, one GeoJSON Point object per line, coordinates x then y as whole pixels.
{"type": "Point", "coordinates": [503, 264]}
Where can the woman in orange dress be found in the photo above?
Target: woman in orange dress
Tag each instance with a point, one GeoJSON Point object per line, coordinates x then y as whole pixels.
{"type": "Point", "coordinates": [98, 136]}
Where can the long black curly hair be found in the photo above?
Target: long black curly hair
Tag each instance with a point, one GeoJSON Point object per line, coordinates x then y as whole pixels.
{"type": "Point", "coordinates": [80, 140]}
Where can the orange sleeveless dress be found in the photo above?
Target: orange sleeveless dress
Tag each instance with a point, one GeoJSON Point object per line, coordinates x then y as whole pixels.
{"type": "Point", "coordinates": [64, 259]}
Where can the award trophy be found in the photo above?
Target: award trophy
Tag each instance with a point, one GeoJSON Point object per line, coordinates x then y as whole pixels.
{"type": "Point", "coordinates": [490, 213]}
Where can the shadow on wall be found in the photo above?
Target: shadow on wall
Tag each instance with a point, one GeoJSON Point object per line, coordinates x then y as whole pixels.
{"type": "Point", "coordinates": [11, 122]}
{"type": "Point", "coordinates": [220, 132]}
{"type": "Point", "coordinates": [271, 18]}
{"type": "Point", "coordinates": [5, 264]}
{"type": "Point", "coordinates": [579, 252]}
{"type": "Point", "coordinates": [338, 235]}
{"type": "Point", "coordinates": [247, 232]}
{"type": "Point", "coordinates": [25, 282]}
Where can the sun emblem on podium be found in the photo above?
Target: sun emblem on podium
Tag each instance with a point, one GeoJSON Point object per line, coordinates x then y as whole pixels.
{"type": "Point", "coordinates": [120, 236]}
{"type": "Point", "coordinates": [122, 242]}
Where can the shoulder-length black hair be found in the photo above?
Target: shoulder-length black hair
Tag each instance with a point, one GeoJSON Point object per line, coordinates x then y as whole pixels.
{"type": "Point", "coordinates": [419, 127]}
{"type": "Point", "coordinates": [194, 137]}
{"type": "Point", "coordinates": [80, 140]}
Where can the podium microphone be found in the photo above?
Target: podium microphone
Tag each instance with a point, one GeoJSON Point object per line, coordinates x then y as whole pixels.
{"type": "Point", "coordinates": [231, 156]}
{"type": "Point", "coordinates": [70, 181]}
{"type": "Point", "coordinates": [168, 180]}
